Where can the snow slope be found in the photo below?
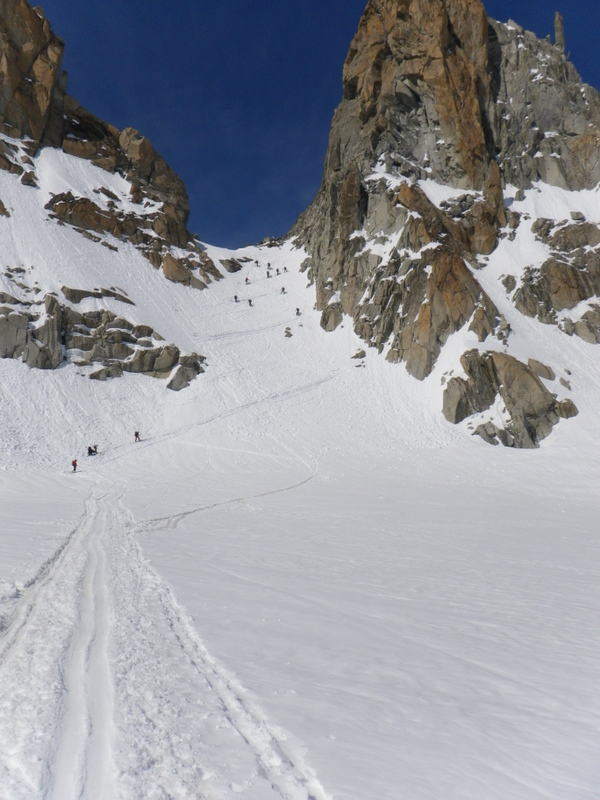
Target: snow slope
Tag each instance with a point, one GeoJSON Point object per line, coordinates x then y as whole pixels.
{"type": "Point", "coordinates": [303, 582]}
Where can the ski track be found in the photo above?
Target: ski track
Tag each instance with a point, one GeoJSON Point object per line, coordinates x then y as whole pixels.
{"type": "Point", "coordinates": [93, 658]}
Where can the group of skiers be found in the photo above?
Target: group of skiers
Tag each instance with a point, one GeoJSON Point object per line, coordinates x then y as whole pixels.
{"type": "Point", "coordinates": [247, 281]}
{"type": "Point", "coordinates": [93, 450]}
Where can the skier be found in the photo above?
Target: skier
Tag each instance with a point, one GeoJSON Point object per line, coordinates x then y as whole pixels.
{"type": "Point", "coordinates": [268, 274]}
{"type": "Point", "coordinates": [285, 269]}
{"type": "Point", "coordinates": [283, 290]}
{"type": "Point", "coordinates": [297, 312]}
{"type": "Point", "coordinates": [136, 437]}
{"type": "Point", "coordinates": [247, 281]}
{"type": "Point", "coordinates": [277, 270]}
{"type": "Point", "coordinates": [249, 302]}
{"type": "Point", "coordinates": [235, 297]}
{"type": "Point", "coordinates": [91, 451]}
{"type": "Point", "coordinates": [74, 463]}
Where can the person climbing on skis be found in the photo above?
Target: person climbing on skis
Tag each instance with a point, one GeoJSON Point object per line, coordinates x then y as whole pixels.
{"type": "Point", "coordinates": [297, 312]}
{"type": "Point", "coordinates": [247, 281]}
{"type": "Point", "coordinates": [283, 290]}
{"type": "Point", "coordinates": [74, 464]}
{"type": "Point", "coordinates": [136, 437]}
{"type": "Point", "coordinates": [91, 451]}
{"type": "Point", "coordinates": [249, 302]}
{"type": "Point", "coordinates": [235, 298]}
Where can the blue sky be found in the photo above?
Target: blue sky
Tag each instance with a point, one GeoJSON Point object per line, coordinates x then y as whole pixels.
{"type": "Point", "coordinates": [238, 96]}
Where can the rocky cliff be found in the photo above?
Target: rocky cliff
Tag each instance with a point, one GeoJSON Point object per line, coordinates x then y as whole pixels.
{"type": "Point", "coordinates": [436, 94]}
{"type": "Point", "coordinates": [35, 107]}
{"type": "Point", "coordinates": [36, 112]}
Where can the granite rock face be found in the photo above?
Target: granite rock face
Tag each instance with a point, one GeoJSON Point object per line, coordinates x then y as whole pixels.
{"type": "Point", "coordinates": [434, 90]}
{"type": "Point", "coordinates": [30, 67]}
{"type": "Point", "coordinates": [44, 334]}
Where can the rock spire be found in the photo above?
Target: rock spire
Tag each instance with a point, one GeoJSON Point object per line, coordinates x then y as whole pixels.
{"type": "Point", "coordinates": [559, 32]}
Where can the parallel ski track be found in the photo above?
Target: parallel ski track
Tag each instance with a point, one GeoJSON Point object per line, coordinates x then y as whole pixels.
{"type": "Point", "coordinates": [105, 671]}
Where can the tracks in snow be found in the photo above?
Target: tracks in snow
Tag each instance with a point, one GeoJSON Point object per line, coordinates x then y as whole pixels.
{"type": "Point", "coordinates": [107, 691]}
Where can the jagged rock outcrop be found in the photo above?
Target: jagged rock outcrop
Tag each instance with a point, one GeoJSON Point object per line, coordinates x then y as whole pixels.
{"type": "Point", "coordinates": [570, 276]}
{"type": "Point", "coordinates": [45, 334]}
{"type": "Point", "coordinates": [434, 90]}
{"type": "Point", "coordinates": [34, 103]}
{"type": "Point", "coordinates": [531, 409]}
{"type": "Point", "coordinates": [145, 232]}
{"type": "Point", "coordinates": [545, 120]}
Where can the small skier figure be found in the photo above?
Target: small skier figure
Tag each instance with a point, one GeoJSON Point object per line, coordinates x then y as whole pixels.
{"type": "Point", "coordinates": [247, 281]}
{"type": "Point", "coordinates": [249, 302]}
{"type": "Point", "coordinates": [235, 297]}
{"type": "Point", "coordinates": [297, 312]}
{"type": "Point", "coordinates": [283, 290]}
{"type": "Point", "coordinates": [136, 437]}
{"type": "Point", "coordinates": [285, 269]}
{"type": "Point", "coordinates": [268, 274]}
{"type": "Point", "coordinates": [91, 451]}
{"type": "Point", "coordinates": [74, 464]}
{"type": "Point", "coordinates": [277, 270]}
{"type": "Point", "coordinates": [256, 263]}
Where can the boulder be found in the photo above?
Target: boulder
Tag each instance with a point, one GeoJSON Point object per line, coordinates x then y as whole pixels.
{"type": "Point", "coordinates": [175, 271]}
{"type": "Point", "coordinates": [182, 377]}
{"type": "Point", "coordinates": [13, 333]}
{"type": "Point", "coordinates": [113, 371]}
{"type": "Point", "coordinates": [157, 362]}
{"type": "Point", "coordinates": [532, 409]}
{"type": "Point", "coordinates": [541, 370]}
{"type": "Point", "coordinates": [331, 317]}
{"type": "Point", "coordinates": [77, 295]}
{"type": "Point", "coordinates": [231, 264]}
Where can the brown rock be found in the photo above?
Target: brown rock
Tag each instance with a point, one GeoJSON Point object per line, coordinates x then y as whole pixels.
{"type": "Point", "coordinates": [451, 297]}
{"type": "Point", "coordinates": [331, 317]}
{"type": "Point", "coordinates": [541, 370]}
{"type": "Point", "coordinates": [175, 271]}
{"type": "Point", "coordinates": [532, 408]}
{"type": "Point", "coordinates": [30, 64]}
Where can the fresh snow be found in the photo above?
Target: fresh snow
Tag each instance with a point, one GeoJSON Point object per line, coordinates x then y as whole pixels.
{"type": "Point", "coordinates": [302, 582]}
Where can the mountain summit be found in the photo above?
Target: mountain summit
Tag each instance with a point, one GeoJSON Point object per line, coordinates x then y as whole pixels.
{"type": "Point", "coordinates": [436, 95]}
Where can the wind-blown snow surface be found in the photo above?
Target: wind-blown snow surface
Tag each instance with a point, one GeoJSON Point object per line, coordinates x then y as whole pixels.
{"type": "Point", "coordinates": [303, 582]}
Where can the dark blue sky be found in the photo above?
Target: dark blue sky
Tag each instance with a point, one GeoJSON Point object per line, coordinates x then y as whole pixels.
{"type": "Point", "coordinates": [238, 96]}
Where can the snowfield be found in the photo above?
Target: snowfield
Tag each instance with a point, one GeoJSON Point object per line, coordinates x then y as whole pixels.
{"type": "Point", "coordinates": [303, 583]}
